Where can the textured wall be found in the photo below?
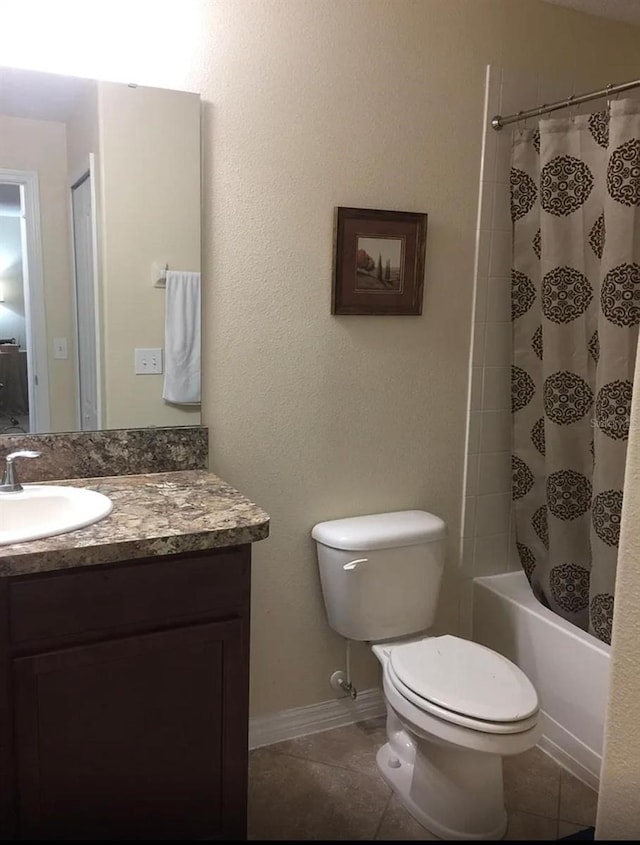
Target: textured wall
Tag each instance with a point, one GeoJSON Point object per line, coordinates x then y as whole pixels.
{"type": "Point", "coordinates": [310, 104]}
{"type": "Point", "coordinates": [618, 806]}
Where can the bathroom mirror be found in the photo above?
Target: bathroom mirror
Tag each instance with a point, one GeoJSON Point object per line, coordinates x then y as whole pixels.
{"type": "Point", "coordinates": [99, 195]}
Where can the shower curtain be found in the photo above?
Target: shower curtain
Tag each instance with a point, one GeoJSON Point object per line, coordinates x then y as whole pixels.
{"type": "Point", "coordinates": [575, 207]}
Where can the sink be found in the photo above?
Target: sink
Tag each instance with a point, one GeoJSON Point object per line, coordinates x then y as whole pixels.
{"type": "Point", "coordinates": [44, 510]}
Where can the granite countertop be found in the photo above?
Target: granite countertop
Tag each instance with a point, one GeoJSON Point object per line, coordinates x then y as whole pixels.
{"type": "Point", "coordinates": [153, 514]}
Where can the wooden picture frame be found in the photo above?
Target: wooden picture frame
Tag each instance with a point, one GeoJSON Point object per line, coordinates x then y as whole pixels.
{"type": "Point", "coordinates": [378, 261]}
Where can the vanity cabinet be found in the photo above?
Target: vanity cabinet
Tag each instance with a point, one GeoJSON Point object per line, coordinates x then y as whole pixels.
{"type": "Point", "coordinates": [124, 705]}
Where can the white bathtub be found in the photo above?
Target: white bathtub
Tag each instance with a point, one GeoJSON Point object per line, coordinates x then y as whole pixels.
{"type": "Point", "coordinates": [568, 667]}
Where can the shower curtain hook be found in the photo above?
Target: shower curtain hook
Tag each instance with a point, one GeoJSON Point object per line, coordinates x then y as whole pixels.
{"type": "Point", "coordinates": [608, 88]}
{"type": "Point", "coordinates": [570, 106]}
{"type": "Point", "coordinates": [519, 122]}
{"type": "Point", "coordinates": [541, 110]}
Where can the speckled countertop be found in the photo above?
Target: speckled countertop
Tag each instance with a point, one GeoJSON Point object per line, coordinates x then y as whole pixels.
{"type": "Point", "coordinates": [153, 514]}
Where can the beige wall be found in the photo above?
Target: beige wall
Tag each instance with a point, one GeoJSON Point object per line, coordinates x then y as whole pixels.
{"type": "Point", "coordinates": [82, 133]}
{"type": "Point", "coordinates": [40, 145]}
{"type": "Point", "coordinates": [618, 806]}
{"type": "Point", "coordinates": [311, 104]}
{"type": "Point", "coordinates": [318, 416]}
{"type": "Point", "coordinates": [149, 212]}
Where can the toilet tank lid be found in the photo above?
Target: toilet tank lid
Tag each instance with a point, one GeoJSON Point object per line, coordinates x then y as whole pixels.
{"type": "Point", "coordinates": [380, 531]}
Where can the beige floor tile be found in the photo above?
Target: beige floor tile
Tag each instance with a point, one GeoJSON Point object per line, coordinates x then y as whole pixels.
{"type": "Point", "coordinates": [399, 824]}
{"type": "Point", "coordinates": [291, 798]}
{"type": "Point", "coordinates": [326, 786]}
{"type": "Point", "coordinates": [578, 802]}
{"type": "Point", "coordinates": [529, 826]}
{"type": "Point", "coordinates": [567, 828]}
{"type": "Point", "coordinates": [532, 784]}
{"type": "Point", "coordinates": [353, 746]}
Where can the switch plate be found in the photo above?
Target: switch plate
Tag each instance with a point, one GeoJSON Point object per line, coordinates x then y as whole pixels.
{"type": "Point", "coordinates": [60, 348]}
{"type": "Point", "coordinates": [147, 361]}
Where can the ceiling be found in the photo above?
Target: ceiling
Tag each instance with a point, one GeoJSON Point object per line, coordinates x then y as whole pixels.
{"type": "Point", "coordinates": [41, 96]}
{"type": "Point", "coordinates": [619, 10]}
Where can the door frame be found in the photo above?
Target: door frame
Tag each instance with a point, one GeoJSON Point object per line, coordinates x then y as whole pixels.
{"type": "Point", "coordinates": [33, 284]}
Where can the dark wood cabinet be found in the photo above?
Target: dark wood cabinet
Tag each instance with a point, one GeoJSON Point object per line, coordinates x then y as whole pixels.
{"type": "Point", "coordinates": [125, 700]}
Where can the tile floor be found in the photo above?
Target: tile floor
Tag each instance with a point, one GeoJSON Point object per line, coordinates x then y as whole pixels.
{"type": "Point", "coordinates": [326, 786]}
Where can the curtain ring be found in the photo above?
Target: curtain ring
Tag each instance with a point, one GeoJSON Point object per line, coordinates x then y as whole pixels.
{"type": "Point", "coordinates": [570, 106]}
{"type": "Point", "coordinates": [519, 121]}
{"type": "Point", "coordinates": [608, 90]}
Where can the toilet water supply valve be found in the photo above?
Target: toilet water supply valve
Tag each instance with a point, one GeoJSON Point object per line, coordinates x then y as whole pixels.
{"type": "Point", "coordinates": [340, 680]}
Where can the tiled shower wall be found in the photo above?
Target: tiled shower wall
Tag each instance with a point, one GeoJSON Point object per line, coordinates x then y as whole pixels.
{"type": "Point", "coordinates": [487, 545]}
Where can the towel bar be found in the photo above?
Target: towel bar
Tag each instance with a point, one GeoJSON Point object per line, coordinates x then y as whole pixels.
{"type": "Point", "coordinates": [159, 275]}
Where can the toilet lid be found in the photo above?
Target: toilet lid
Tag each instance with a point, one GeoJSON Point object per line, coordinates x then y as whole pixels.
{"type": "Point", "coordinates": [465, 677]}
{"type": "Point", "coordinates": [428, 707]}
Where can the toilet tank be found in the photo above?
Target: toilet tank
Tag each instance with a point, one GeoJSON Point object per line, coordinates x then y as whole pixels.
{"type": "Point", "coordinates": [381, 573]}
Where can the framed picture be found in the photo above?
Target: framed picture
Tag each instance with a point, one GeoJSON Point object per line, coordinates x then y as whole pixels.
{"type": "Point", "coordinates": [378, 262]}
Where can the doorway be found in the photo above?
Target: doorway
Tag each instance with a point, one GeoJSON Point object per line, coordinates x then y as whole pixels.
{"type": "Point", "coordinates": [22, 263]}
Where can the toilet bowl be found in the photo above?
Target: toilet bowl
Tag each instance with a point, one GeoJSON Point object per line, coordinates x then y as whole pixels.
{"type": "Point", "coordinates": [446, 765]}
{"type": "Point", "coordinates": [454, 707]}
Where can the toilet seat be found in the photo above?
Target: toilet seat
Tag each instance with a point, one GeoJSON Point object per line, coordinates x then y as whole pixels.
{"type": "Point", "coordinates": [454, 718]}
{"type": "Point", "coordinates": [464, 683]}
{"type": "Point", "coordinates": [432, 727]}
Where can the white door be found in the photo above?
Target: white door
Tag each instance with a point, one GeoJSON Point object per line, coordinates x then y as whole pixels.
{"type": "Point", "coordinates": [85, 304]}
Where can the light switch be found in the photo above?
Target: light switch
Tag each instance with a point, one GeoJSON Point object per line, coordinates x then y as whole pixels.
{"type": "Point", "coordinates": [60, 347]}
{"type": "Point", "coordinates": [147, 361]}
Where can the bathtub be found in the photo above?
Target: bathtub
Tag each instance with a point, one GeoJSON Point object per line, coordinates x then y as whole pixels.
{"type": "Point", "coordinates": [568, 667]}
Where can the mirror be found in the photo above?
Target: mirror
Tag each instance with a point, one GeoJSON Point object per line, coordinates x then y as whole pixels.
{"type": "Point", "coordinates": [99, 196]}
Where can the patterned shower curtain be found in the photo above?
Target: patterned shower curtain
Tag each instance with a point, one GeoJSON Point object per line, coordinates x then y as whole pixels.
{"type": "Point", "coordinates": [575, 207]}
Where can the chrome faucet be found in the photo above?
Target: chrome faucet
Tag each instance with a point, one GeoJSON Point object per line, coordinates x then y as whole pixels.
{"type": "Point", "coordinates": [10, 483]}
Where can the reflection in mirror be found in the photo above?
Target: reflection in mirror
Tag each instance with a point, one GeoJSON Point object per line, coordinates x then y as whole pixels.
{"type": "Point", "coordinates": [99, 193]}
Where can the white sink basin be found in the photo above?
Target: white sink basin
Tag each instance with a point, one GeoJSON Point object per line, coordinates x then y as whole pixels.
{"type": "Point", "coordinates": [44, 510]}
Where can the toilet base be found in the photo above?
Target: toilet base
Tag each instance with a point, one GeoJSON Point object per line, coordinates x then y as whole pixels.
{"type": "Point", "coordinates": [435, 800]}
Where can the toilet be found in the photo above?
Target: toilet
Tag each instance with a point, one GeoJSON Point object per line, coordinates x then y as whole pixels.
{"type": "Point", "coordinates": [454, 707]}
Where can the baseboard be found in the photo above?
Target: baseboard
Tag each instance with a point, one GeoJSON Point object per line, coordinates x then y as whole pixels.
{"type": "Point", "coordinates": [314, 718]}
{"type": "Point", "coordinates": [573, 755]}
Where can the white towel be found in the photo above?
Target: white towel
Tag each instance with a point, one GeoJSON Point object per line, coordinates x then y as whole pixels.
{"type": "Point", "coordinates": [182, 338]}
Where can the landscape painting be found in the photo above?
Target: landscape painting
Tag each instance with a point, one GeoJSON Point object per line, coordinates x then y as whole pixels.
{"type": "Point", "coordinates": [378, 262]}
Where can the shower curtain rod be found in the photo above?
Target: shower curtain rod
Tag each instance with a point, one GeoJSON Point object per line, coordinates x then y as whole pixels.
{"type": "Point", "coordinates": [498, 121]}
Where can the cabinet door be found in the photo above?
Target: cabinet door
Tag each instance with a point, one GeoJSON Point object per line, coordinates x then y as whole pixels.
{"type": "Point", "coordinates": [135, 738]}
